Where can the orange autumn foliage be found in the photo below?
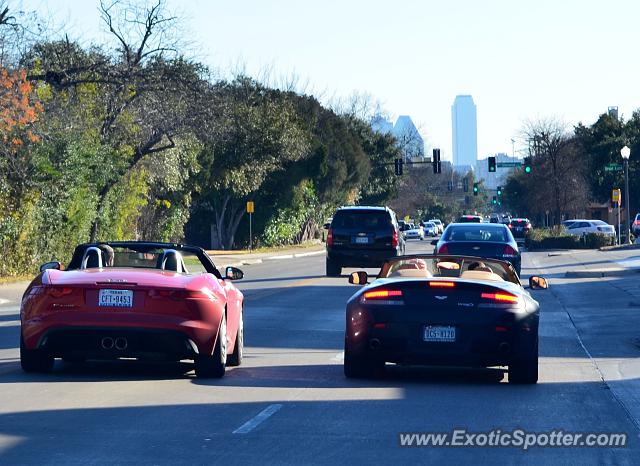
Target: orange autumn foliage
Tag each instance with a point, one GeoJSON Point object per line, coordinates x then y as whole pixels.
{"type": "Point", "coordinates": [17, 110]}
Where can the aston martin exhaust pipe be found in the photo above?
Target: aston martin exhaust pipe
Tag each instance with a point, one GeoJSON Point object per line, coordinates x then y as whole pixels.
{"type": "Point", "coordinates": [374, 344]}
{"type": "Point", "coordinates": [121, 343]}
{"type": "Point", "coordinates": [107, 343]}
{"type": "Point", "coordinates": [505, 347]}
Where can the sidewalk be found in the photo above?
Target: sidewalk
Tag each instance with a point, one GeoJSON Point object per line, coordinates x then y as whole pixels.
{"type": "Point", "coordinates": [239, 258]}
{"type": "Point", "coordinates": [589, 263]}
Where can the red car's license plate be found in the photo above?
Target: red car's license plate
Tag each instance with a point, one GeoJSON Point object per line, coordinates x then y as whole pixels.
{"type": "Point", "coordinates": [115, 298]}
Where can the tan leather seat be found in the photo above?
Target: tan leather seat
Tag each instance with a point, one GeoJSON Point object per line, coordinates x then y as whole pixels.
{"type": "Point", "coordinates": [410, 273]}
{"type": "Point", "coordinates": [481, 275]}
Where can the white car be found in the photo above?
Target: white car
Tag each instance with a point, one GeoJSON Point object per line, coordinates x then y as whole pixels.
{"type": "Point", "coordinates": [414, 232]}
{"type": "Point", "coordinates": [583, 227]}
{"type": "Point", "coordinates": [430, 229]}
{"type": "Point", "coordinates": [438, 224]}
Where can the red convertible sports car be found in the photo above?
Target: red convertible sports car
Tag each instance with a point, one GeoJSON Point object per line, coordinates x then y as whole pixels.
{"type": "Point", "coordinates": [133, 300]}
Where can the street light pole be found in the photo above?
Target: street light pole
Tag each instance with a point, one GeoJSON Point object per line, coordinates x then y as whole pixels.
{"type": "Point", "coordinates": [625, 152]}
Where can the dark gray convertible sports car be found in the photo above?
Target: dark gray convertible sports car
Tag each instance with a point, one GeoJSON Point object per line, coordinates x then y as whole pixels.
{"type": "Point", "coordinates": [445, 311]}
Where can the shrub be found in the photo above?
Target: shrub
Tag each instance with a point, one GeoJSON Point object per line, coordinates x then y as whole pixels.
{"type": "Point", "coordinates": [558, 238]}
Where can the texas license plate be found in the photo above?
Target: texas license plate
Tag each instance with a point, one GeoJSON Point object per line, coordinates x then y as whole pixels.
{"type": "Point", "coordinates": [115, 298]}
{"type": "Point", "coordinates": [439, 333]}
{"type": "Point", "coordinates": [361, 240]}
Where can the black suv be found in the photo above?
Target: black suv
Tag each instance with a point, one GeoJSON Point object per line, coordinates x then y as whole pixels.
{"type": "Point", "coordinates": [362, 236]}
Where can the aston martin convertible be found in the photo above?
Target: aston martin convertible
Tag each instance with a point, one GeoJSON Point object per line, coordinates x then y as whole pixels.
{"type": "Point", "coordinates": [443, 311]}
{"type": "Point", "coordinates": [138, 300]}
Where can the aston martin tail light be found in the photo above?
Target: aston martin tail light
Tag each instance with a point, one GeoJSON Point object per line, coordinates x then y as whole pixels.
{"type": "Point", "coordinates": [330, 237]}
{"type": "Point", "coordinates": [382, 296]}
{"type": "Point", "coordinates": [501, 297]}
{"type": "Point", "coordinates": [438, 284]}
{"type": "Point", "coordinates": [444, 249]}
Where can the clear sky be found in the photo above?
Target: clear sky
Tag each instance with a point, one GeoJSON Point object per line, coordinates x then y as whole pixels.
{"type": "Point", "coordinates": [519, 59]}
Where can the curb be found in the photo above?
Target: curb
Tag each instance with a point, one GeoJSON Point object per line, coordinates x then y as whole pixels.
{"type": "Point", "coordinates": [601, 273]}
{"type": "Point", "coordinates": [623, 247]}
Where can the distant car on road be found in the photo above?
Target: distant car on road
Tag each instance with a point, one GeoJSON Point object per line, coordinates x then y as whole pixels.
{"type": "Point", "coordinates": [431, 229]}
{"type": "Point", "coordinates": [414, 232]}
{"type": "Point", "coordinates": [583, 227]}
{"type": "Point", "coordinates": [635, 225]}
{"type": "Point", "coordinates": [444, 310]}
{"type": "Point", "coordinates": [438, 224]}
{"type": "Point", "coordinates": [362, 236]}
{"type": "Point", "coordinates": [489, 240]}
{"type": "Point", "coordinates": [133, 300]}
{"type": "Point", "coordinates": [470, 219]}
{"type": "Point", "coordinates": [519, 227]}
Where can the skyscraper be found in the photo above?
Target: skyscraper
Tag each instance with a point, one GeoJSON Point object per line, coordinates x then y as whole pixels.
{"type": "Point", "coordinates": [464, 131]}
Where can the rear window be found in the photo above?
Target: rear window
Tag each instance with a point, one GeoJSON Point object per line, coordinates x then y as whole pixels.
{"type": "Point", "coordinates": [368, 219]}
{"type": "Point", "coordinates": [485, 233]}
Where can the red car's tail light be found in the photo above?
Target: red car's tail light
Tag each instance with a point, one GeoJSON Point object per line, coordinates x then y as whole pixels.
{"type": "Point", "coordinates": [444, 249]}
{"type": "Point", "coordinates": [442, 284]}
{"type": "Point", "coordinates": [509, 252]}
{"type": "Point", "coordinates": [177, 294]}
{"type": "Point", "coordinates": [58, 292]}
{"type": "Point", "coordinates": [501, 297]}
{"type": "Point", "coordinates": [330, 237]}
{"type": "Point", "coordinates": [394, 240]}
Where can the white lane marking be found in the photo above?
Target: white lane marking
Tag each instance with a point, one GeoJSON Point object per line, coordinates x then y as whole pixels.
{"type": "Point", "coordinates": [4, 301]}
{"type": "Point", "coordinates": [338, 357]}
{"type": "Point", "coordinates": [259, 419]}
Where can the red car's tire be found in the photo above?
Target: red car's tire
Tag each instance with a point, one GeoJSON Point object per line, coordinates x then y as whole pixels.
{"type": "Point", "coordinates": [214, 366]}
{"type": "Point", "coordinates": [235, 358]}
{"type": "Point", "coordinates": [35, 360]}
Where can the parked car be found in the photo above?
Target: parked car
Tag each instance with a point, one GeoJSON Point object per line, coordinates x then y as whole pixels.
{"type": "Point", "coordinates": [137, 300]}
{"type": "Point", "coordinates": [519, 227]}
{"type": "Point", "coordinates": [635, 225]}
{"type": "Point", "coordinates": [431, 229]}
{"type": "Point", "coordinates": [490, 240]}
{"type": "Point", "coordinates": [470, 219]}
{"type": "Point", "coordinates": [362, 236]}
{"type": "Point", "coordinates": [443, 310]}
{"type": "Point", "coordinates": [583, 227]}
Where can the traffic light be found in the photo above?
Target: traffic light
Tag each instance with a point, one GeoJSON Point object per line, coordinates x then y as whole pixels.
{"type": "Point", "coordinates": [494, 200]}
{"type": "Point", "coordinates": [399, 163]}
{"type": "Point", "coordinates": [465, 185]}
{"type": "Point", "coordinates": [492, 164]}
{"type": "Point", "coordinates": [527, 165]}
{"type": "Point", "coordinates": [437, 166]}
{"type": "Point", "coordinates": [499, 190]}
{"type": "Point", "coordinates": [475, 189]}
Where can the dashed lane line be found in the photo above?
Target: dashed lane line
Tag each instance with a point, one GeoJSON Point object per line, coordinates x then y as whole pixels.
{"type": "Point", "coordinates": [258, 419]}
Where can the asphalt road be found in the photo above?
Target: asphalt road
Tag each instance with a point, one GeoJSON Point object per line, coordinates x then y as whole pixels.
{"type": "Point", "coordinates": [289, 402]}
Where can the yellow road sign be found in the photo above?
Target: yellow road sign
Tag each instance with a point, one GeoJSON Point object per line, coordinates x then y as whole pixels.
{"type": "Point", "coordinates": [615, 195]}
{"type": "Point", "coordinates": [250, 207]}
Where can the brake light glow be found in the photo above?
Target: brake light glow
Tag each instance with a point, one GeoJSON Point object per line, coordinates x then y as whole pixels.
{"type": "Point", "coordinates": [500, 297]}
{"type": "Point", "coordinates": [442, 284]}
{"type": "Point", "coordinates": [509, 252]}
{"type": "Point", "coordinates": [382, 294]}
{"type": "Point", "coordinates": [394, 240]}
{"type": "Point", "coordinates": [330, 237]}
{"type": "Point", "coordinates": [57, 292]}
{"type": "Point", "coordinates": [510, 226]}
{"type": "Point", "coordinates": [444, 249]}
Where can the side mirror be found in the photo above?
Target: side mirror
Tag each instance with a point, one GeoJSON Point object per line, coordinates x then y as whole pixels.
{"type": "Point", "coordinates": [358, 278]}
{"type": "Point", "coordinates": [538, 283]}
{"type": "Point", "coordinates": [51, 265]}
{"type": "Point", "coordinates": [434, 242]}
{"type": "Point", "coordinates": [233, 273]}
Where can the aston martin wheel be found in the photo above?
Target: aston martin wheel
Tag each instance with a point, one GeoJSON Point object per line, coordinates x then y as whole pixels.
{"type": "Point", "coordinates": [356, 366]}
{"type": "Point", "coordinates": [35, 360]}
{"type": "Point", "coordinates": [235, 358]}
{"type": "Point", "coordinates": [214, 366]}
{"type": "Point", "coordinates": [525, 370]}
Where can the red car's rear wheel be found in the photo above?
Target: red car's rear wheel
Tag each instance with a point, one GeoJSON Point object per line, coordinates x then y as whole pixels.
{"type": "Point", "coordinates": [213, 366]}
